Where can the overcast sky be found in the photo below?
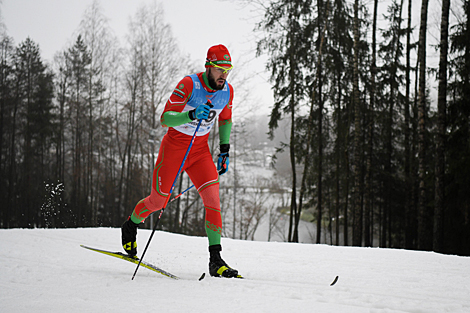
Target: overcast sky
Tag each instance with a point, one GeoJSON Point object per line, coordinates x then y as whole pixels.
{"type": "Point", "coordinates": [197, 25]}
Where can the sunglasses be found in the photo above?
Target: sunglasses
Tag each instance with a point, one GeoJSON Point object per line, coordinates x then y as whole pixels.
{"type": "Point", "coordinates": [224, 70]}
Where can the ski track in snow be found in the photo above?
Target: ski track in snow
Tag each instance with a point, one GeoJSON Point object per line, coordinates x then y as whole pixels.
{"type": "Point", "coordinates": [46, 270]}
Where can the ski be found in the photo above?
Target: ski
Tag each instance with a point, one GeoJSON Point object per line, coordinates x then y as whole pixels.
{"type": "Point", "coordinates": [134, 260]}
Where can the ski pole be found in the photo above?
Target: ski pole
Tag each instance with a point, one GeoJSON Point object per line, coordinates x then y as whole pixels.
{"type": "Point", "coordinates": [169, 195]}
{"type": "Point", "coordinates": [180, 194]}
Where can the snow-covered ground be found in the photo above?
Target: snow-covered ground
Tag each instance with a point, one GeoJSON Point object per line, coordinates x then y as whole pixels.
{"type": "Point", "coordinates": [47, 271]}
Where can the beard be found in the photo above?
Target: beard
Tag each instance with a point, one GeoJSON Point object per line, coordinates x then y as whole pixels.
{"type": "Point", "coordinates": [213, 83]}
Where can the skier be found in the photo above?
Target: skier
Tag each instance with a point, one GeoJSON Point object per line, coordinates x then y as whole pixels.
{"type": "Point", "coordinates": [203, 96]}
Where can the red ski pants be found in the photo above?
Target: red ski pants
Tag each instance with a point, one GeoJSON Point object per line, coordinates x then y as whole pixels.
{"type": "Point", "coordinates": [202, 172]}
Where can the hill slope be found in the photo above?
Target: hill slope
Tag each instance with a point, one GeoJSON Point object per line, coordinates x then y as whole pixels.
{"type": "Point", "coordinates": [48, 271]}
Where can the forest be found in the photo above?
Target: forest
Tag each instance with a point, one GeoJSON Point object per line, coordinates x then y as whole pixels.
{"type": "Point", "coordinates": [370, 151]}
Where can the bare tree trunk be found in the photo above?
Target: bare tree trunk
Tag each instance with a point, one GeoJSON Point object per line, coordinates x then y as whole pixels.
{"type": "Point", "coordinates": [293, 236]}
{"type": "Point", "coordinates": [393, 99]}
{"type": "Point", "coordinates": [357, 228]}
{"type": "Point", "coordinates": [423, 219]}
{"type": "Point", "coordinates": [320, 128]}
{"type": "Point", "coordinates": [317, 83]}
{"type": "Point", "coordinates": [346, 193]}
{"type": "Point", "coordinates": [441, 128]}
{"type": "Point", "coordinates": [414, 166]}
{"type": "Point", "coordinates": [338, 157]}
{"type": "Point", "coordinates": [408, 202]}
{"type": "Point", "coordinates": [368, 222]}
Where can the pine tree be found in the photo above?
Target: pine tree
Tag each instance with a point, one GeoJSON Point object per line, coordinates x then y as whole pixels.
{"type": "Point", "coordinates": [32, 129]}
{"type": "Point", "coordinates": [78, 62]}
{"type": "Point", "coordinates": [338, 65]}
{"type": "Point", "coordinates": [7, 161]}
{"type": "Point", "coordinates": [284, 44]}
{"type": "Point", "coordinates": [458, 140]}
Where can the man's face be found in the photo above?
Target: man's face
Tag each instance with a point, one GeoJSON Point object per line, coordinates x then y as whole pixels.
{"type": "Point", "coordinates": [216, 77]}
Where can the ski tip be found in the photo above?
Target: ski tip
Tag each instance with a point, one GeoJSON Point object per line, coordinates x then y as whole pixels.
{"type": "Point", "coordinates": [334, 281]}
{"type": "Point", "coordinates": [202, 276]}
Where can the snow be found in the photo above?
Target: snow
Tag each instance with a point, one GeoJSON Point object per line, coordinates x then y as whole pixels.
{"type": "Point", "coordinates": [46, 270]}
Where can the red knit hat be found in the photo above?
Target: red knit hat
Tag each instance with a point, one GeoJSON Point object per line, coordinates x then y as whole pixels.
{"type": "Point", "coordinates": [218, 55]}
